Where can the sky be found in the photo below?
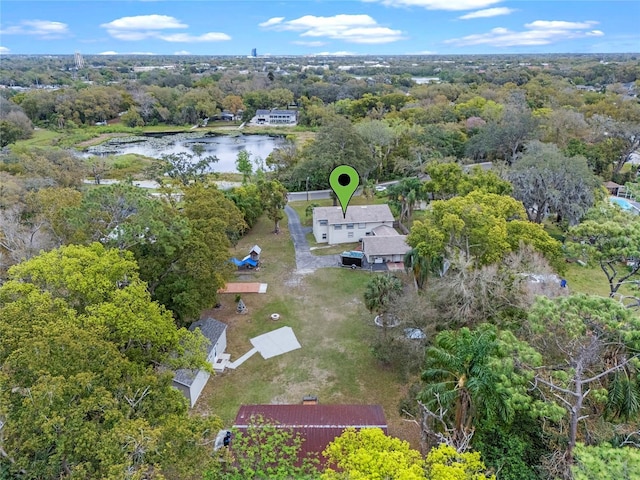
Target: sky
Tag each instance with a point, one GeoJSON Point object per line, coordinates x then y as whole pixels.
{"type": "Point", "coordinates": [318, 27]}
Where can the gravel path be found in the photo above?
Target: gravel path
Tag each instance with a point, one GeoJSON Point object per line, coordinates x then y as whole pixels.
{"type": "Point", "coordinates": [306, 262]}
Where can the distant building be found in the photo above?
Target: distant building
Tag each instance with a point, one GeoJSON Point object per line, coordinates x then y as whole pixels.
{"type": "Point", "coordinates": [276, 117]}
{"type": "Point", "coordinates": [254, 52]}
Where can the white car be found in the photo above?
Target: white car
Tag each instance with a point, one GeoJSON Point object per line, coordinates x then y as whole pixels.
{"type": "Point", "coordinates": [381, 188]}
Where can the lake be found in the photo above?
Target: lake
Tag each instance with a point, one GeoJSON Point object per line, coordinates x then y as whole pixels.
{"type": "Point", "coordinates": [224, 147]}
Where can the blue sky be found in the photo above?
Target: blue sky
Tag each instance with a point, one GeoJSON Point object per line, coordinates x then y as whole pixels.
{"type": "Point", "coordinates": [307, 27]}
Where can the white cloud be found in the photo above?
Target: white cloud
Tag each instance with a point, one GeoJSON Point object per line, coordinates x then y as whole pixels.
{"type": "Point", "coordinates": [332, 54]}
{"type": "Point", "coordinates": [271, 22]}
{"type": "Point", "coordinates": [144, 22]}
{"type": "Point", "coordinates": [182, 52]}
{"type": "Point", "coordinates": [559, 25]}
{"type": "Point", "coordinates": [309, 44]}
{"type": "Point", "coordinates": [540, 32]}
{"type": "Point", "coordinates": [487, 13]}
{"type": "Point", "coordinates": [4, 50]}
{"type": "Point", "coordinates": [349, 28]}
{"type": "Point", "coordinates": [108, 52]}
{"type": "Point", "coordinates": [452, 5]}
{"type": "Point", "coordinates": [152, 26]}
{"type": "Point", "coordinates": [41, 28]}
{"type": "Point", "coordinates": [186, 38]}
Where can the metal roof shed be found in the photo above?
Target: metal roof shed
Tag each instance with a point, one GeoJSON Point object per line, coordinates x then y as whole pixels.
{"type": "Point", "coordinates": [318, 424]}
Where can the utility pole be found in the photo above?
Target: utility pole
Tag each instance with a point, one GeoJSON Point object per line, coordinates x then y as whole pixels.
{"type": "Point", "coordinates": [307, 189]}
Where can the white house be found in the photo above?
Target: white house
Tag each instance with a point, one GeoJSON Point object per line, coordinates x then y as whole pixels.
{"type": "Point", "coordinates": [330, 226]}
{"type": "Point", "coordinates": [276, 117]}
{"type": "Point", "coordinates": [191, 382]}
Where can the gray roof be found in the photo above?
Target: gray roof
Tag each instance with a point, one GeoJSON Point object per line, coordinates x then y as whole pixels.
{"type": "Point", "coordinates": [389, 245]}
{"type": "Point", "coordinates": [256, 249]}
{"type": "Point", "coordinates": [185, 376]}
{"type": "Point", "coordinates": [212, 329]}
{"type": "Point", "coordinates": [384, 231]}
{"type": "Point", "coordinates": [355, 214]}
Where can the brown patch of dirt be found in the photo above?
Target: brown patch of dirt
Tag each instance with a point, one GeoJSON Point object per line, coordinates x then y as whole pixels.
{"type": "Point", "coordinates": [103, 137]}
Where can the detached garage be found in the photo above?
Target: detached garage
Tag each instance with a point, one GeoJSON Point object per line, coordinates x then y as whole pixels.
{"type": "Point", "coordinates": [192, 382]}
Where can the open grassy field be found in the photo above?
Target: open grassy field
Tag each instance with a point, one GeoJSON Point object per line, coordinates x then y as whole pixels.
{"type": "Point", "coordinates": [326, 311]}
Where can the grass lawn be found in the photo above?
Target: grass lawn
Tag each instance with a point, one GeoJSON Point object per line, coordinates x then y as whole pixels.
{"type": "Point", "coordinates": [592, 280]}
{"type": "Point", "coordinates": [326, 311]}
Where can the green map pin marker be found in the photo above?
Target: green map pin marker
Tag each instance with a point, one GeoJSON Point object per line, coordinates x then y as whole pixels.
{"type": "Point", "coordinates": [344, 181]}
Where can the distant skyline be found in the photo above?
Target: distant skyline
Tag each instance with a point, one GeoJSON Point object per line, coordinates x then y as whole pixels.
{"type": "Point", "coordinates": [317, 27]}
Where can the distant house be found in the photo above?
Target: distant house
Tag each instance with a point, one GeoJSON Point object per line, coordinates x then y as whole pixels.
{"type": "Point", "coordinates": [191, 382]}
{"type": "Point", "coordinates": [330, 226]}
{"type": "Point", "coordinates": [614, 188]}
{"type": "Point", "coordinates": [317, 424]}
{"type": "Point", "coordinates": [276, 117]}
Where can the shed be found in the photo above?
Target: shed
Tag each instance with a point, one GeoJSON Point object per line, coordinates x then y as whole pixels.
{"type": "Point", "coordinates": [191, 382]}
{"type": "Point", "coordinates": [613, 187]}
{"type": "Point", "coordinates": [254, 253]}
{"type": "Point", "coordinates": [317, 424]}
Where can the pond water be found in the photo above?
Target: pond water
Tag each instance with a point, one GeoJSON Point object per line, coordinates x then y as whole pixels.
{"type": "Point", "coordinates": [224, 147]}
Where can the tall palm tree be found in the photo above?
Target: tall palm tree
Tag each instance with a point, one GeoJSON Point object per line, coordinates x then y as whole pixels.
{"type": "Point", "coordinates": [421, 266]}
{"type": "Point", "coordinates": [380, 291]}
{"type": "Point", "coordinates": [459, 378]}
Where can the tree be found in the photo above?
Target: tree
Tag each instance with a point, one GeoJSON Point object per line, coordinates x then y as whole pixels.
{"type": "Point", "coordinates": [132, 118]}
{"type": "Point", "coordinates": [379, 138]}
{"type": "Point", "coordinates": [448, 179]}
{"type": "Point", "coordinates": [480, 226]}
{"type": "Point", "coordinates": [233, 103]}
{"type": "Point", "coordinates": [627, 135]}
{"type": "Point", "coordinates": [444, 178]}
{"type": "Point", "coordinates": [445, 463]}
{"type": "Point", "coordinates": [266, 450]}
{"type": "Point", "coordinates": [404, 195]}
{"type": "Point", "coordinates": [608, 237]}
{"type": "Point", "coordinates": [505, 138]}
{"type": "Point", "coordinates": [274, 199]}
{"type": "Point", "coordinates": [370, 454]}
{"type": "Point", "coordinates": [606, 461]}
{"type": "Point", "coordinates": [421, 266]}
{"type": "Point", "coordinates": [336, 143]}
{"type": "Point", "coordinates": [244, 166]}
{"type": "Point", "coordinates": [548, 182]}
{"type": "Point", "coordinates": [467, 378]}
{"type": "Point", "coordinates": [380, 291]}
{"type": "Point", "coordinates": [247, 199]}
{"type": "Point", "coordinates": [182, 168]}
{"type": "Point", "coordinates": [82, 392]}
{"type": "Point", "coordinates": [117, 215]}
{"type": "Point", "coordinates": [9, 133]}
{"type": "Point", "coordinates": [586, 341]}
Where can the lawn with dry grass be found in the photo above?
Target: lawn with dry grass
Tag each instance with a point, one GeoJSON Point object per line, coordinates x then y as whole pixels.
{"type": "Point", "coordinates": [325, 310]}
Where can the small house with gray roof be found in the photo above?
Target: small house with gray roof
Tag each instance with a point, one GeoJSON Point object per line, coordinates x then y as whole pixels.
{"type": "Point", "coordinates": [330, 226]}
{"type": "Point", "coordinates": [192, 382]}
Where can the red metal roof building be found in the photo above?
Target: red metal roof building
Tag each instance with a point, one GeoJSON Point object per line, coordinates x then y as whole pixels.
{"type": "Point", "coordinates": [317, 424]}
